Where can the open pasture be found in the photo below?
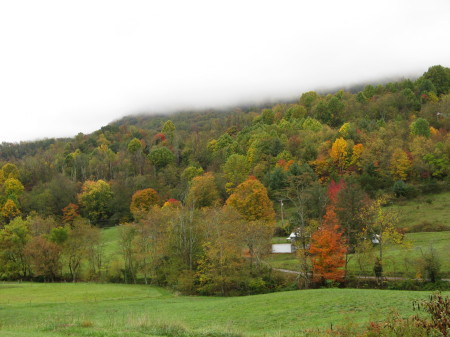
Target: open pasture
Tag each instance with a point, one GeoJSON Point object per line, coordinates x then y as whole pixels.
{"type": "Point", "coordinates": [31, 309]}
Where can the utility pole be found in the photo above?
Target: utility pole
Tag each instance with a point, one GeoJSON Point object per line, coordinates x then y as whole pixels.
{"type": "Point", "coordinates": [282, 215]}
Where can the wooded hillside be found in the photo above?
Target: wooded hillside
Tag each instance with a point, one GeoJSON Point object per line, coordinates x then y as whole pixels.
{"type": "Point", "coordinates": [386, 141]}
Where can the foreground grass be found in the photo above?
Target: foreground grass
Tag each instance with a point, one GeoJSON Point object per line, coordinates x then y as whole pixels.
{"type": "Point", "coordinates": [135, 310]}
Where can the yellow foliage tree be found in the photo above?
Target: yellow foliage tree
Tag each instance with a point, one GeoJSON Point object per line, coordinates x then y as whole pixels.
{"type": "Point", "coordinates": [203, 191]}
{"type": "Point", "coordinates": [400, 165]}
{"type": "Point", "coordinates": [250, 199]}
{"type": "Point", "coordinates": [222, 262]}
{"type": "Point", "coordinates": [338, 154]}
{"type": "Point", "coordinates": [9, 210]}
{"type": "Point", "coordinates": [355, 160]}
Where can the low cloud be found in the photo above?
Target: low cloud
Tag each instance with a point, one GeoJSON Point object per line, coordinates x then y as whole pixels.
{"type": "Point", "coordinates": [73, 68]}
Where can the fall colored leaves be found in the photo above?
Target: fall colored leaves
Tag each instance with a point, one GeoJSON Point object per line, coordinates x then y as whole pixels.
{"type": "Point", "coordinates": [328, 247]}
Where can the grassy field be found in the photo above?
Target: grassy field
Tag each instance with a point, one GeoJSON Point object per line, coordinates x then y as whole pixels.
{"type": "Point", "coordinates": [110, 238]}
{"type": "Point", "coordinates": [399, 260]}
{"type": "Point", "coordinates": [432, 208]}
{"type": "Point", "coordinates": [43, 310]}
{"type": "Point", "coordinates": [402, 260]}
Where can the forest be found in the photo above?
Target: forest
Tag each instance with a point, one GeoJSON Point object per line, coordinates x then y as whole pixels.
{"type": "Point", "coordinates": [197, 196]}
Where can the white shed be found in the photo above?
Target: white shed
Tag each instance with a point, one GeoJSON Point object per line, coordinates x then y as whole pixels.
{"type": "Point", "coordinates": [279, 248]}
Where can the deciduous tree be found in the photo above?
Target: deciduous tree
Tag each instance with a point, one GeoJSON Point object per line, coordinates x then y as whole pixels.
{"type": "Point", "coordinates": [221, 265]}
{"type": "Point", "coordinates": [328, 249]}
{"type": "Point", "coordinates": [161, 157]}
{"type": "Point", "coordinates": [13, 239]}
{"type": "Point", "coordinates": [400, 165]}
{"type": "Point", "coordinates": [95, 198]}
{"type": "Point", "coordinates": [250, 199]}
{"type": "Point", "coordinates": [338, 154]}
{"type": "Point", "coordinates": [203, 191]}
{"type": "Point", "coordinates": [44, 257]}
{"type": "Point", "coordinates": [142, 201]}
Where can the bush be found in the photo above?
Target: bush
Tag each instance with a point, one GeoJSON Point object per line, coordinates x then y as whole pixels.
{"type": "Point", "coordinates": [405, 285]}
{"type": "Point", "coordinates": [399, 188]}
{"type": "Point", "coordinates": [433, 187]}
{"type": "Point", "coordinates": [430, 265]}
{"type": "Point", "coordinates": [436, 286]}
{"type": "Point", "coordinates": [438, 307]}
{"type": "Point", "coordinates": [427, 226]}
{"type": "Point", "coordinates": [416, 285]}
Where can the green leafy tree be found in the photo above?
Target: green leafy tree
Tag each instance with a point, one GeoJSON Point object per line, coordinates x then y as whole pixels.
{"type": "Point", "coordinates": [191, 172]}
{"type": "Point", "coordinates": [76, 246]}
{"type": "Point", "coordinates": [308, 99]}
{"type": "Point", "coordinates": [440, 77]}
{"type": "Point", "coordinates": [12, 187]}
{"type": "Point", "coordinates": [420, 127]}
{"type": "Point", "coordinates": [13, 239]}
{"type": "Point", "coordinates": [168, 130]}
{"type": "Point", "coordinates": [161, 157]}
{"type": "Point", "coordinates": [236, 169]}
{"type": "Point", "coordinates": [95, 199]}
{"type": "Point", "coordinates": [127, 234]}
{"type": "Point", "coordinates": [311, 124]}
{"type": "Point", "coordinates": [267, 116]}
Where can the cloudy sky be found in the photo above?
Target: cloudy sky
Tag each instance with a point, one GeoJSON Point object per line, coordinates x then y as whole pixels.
{"type": "Point", "coordinates": [74, 66]}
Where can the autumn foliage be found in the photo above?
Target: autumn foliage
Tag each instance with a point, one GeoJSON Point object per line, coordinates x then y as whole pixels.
{"type": "Point", "coordinates": [70, 213]}
{"type": "Point", "coordinates": [250, 199]}
{"type": "Point", "coordinates": [328, 249]}
{"type": "Point", "coordinates": [143, 200]}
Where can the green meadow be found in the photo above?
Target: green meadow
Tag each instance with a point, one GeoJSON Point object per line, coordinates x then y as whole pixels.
{"type": "Point", "coordinates": [398, 260]}
{"type": "Point", "coordinates": [432, 208]}
{"type": "Point", "coordinates": [32, 309]}
{"type": "Point", "coordinates": [401, 260]}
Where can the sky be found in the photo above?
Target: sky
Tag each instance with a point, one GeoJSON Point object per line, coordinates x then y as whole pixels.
{"type": "Point", "coordinates": [74, 66]}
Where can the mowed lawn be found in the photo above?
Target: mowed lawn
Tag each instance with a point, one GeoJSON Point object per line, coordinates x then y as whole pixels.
{"type": "Point", "coordinates": [30, 309]}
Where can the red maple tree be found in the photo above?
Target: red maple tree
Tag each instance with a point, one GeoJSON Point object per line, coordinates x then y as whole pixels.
{"type": "Point", "coordinates": [328, 249]}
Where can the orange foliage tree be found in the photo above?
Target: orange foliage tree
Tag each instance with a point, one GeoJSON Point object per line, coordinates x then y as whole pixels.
{"type": "Point", "coordinates": [142, 201]}
{"type": "Point", "coordinates": [328, 249]}
{"type": "Point", "coordinates": [70, 213]}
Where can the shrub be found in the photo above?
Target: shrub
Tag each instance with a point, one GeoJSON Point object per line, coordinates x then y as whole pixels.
{"type": "Point", "coordinates": [427, 226]}
{"type": "Point", "coordinates": [438, 307]}
{"type": "Point", "coordinates": [430, 265]}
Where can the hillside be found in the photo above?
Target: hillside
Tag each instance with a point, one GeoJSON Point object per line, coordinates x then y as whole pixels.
{"type": "Point", "coordinates": [205, 191]}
